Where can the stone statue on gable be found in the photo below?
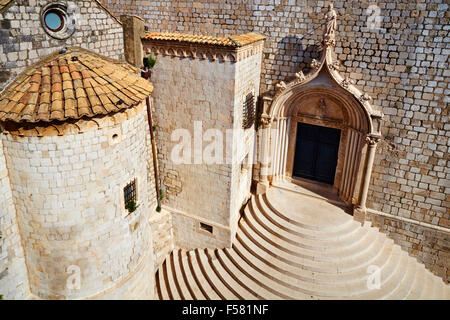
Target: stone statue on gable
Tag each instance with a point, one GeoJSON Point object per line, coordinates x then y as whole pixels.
{"type": "Point", "coordinates": [330, 25]}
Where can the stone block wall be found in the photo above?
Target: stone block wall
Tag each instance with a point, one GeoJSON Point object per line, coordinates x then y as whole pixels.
{"type": "Point", "coordinates": [430, 245]}
{"type": "Point", "coordinates": [189, 92]}
{"type": "Point", "coordinates": [13, 271]}
{"type": "Point", "coordinates": [247, 80]}
{"type": "Point", "coordinates": [69, 197]}
{"type": "Point", "coordinates": [162, 235]}
{"type": "Point", "coordinates": [403, 66]}
{"type": "Point", "coordinates": [23, 41]}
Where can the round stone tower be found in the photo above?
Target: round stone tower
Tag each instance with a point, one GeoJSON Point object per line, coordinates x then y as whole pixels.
{"type": "Point", "coordinates": [74, 135]}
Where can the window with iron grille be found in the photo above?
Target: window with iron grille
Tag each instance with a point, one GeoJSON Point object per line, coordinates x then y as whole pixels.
{"type": "Point", "coordinates": [129, 193]}
{"type": "Point", "coordinates": [248, 115]}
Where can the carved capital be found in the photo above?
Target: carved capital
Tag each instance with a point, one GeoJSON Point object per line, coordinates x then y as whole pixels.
{"type": "Point", "coordinates": [266, 120]}
{"type": "Point", "coordinates": [372, 140]}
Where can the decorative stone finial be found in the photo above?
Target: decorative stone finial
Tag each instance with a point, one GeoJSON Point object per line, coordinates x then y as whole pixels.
{"type": "Point", "coordinates": [364, 97]}
{"type": "Point", "coordinates": [330, 26]}
{"type": "Point", "coordinates": [280, 86]}
{"type": "Point", "coordinates": [347, 82]}
{"type": "Point", "coordinates": [300, 76]}
{"type": "Point", "coordinates": [335, 65]}
{"type": "Point", "coordinates": [315, 65]}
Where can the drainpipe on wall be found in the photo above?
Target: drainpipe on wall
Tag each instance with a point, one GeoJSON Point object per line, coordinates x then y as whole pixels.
{"type": "Point", "coordinates": [155, 159]}
{"type": "Point", "coordinates": [133, 30]}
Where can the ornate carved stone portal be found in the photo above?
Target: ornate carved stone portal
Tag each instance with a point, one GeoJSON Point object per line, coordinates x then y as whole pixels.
{"type": "Point", "coordinates": [321, 97]}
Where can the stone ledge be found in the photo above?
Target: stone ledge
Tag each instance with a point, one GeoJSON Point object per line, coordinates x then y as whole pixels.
{"type": "Point", "coordinates": [412, 221]}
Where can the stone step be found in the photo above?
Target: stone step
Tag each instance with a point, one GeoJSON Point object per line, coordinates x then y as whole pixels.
{"type": "Point", "coordinates": [179, 274]}
{"type": "Point", "coordinates": [207, 289]}
{"type": "Point", "coordinates": [308, 212]}
{"type": "Point", "coordinates": [291, 281]}
{"type": "Point", "coordinates": [345, 264]}
{"type": "Point", "coordinates": [418, 285]}
{"type": "Point", "coordinates": [219, 285]}
{"type": "Point", "coordinates": [389, 282]}
{"type": "Point", "coordinates": [312, 244]}
{"type": "Point", "coordinates": [191, 278]}
{"type": "Point", "coordinates": [286, 255]}
{"type": "Point", "coordinates": [269, 257]}
{"type": "Point", "coordinates": [427, 292]}
{"type": "Point", "coordinates": [406, 284]}
{"type": "Point", "coordinates": [360, 244]}
{"type": "Point", "coordinates": [278, 287]}
{"type": "Point", "coordinates": [163, 282]}
{"type": "Point", "coordinates": [228, 280]}
{"type": "Point", "coordinates": [260, 214]}
{"type": "Point", "coordinates": [172, 279]}
{"type": "Point", "coordinates": [300, 229]}
{"type": "Point", "coordinates": [244, 277]}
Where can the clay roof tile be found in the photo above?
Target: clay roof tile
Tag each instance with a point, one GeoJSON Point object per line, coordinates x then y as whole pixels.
{"type": "Point", "coordinates": [226, 41]}
{"type": "Point", "coordinates": [60, 88]}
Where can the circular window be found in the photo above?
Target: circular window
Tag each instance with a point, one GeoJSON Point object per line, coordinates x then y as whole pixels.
{"type": "Point", "coordinates": [57, 20]}
{"type": "Point", "coordinates": [54, 21]}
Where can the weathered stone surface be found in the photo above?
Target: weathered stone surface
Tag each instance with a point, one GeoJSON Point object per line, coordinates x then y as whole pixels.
{"type": "Point", "coordinates": [95, 30]}
{"type": "Point", "coordinates": [403, 66]}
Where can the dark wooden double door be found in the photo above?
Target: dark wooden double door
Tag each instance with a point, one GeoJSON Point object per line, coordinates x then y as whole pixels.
{"type": "Point", "coordinates": [316, 152]}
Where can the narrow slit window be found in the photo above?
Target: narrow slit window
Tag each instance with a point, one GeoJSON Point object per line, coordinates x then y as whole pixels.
{"type": "Point", "coordinates": [248, 116]}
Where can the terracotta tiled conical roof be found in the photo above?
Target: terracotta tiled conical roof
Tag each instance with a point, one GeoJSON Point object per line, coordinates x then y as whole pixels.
{"type": "Point", "coordinates": [72, 85]}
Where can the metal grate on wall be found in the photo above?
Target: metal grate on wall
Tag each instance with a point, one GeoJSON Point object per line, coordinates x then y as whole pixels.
{"type": "Point", "coordinates": [248, 115]}
{"type": "Point", "coordinates": [129, 192]}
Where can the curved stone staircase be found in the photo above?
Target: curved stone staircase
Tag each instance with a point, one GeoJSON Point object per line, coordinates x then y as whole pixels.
{"type": "Point", "coordinates": [295, 247]}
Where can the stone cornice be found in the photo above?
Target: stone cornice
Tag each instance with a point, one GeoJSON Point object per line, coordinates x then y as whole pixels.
{"type": "Point", "coordinates": [202, 51]}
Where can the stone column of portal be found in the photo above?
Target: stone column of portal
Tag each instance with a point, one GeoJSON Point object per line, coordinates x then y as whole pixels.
{"type": "Point", "coordinates": [360, 211]}
{"type": "Point", "coordinates": [263, 183]}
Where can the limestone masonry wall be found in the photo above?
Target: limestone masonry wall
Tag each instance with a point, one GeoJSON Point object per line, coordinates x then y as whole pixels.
{"type": "Point", "coordinates": [23, 41]}
{"type": "Point", "coordinates": [13, 272]}
{"type": "Point", "coordinates": [430, 246]}
{"type": "Point", "coordinates": [68, 193]}
{"type": "Point", "coordinates": [403, 66]}
{"type": "Point", "coordinates": [246, 81]}
{"type": "Point", "coordinates": [185, 91]}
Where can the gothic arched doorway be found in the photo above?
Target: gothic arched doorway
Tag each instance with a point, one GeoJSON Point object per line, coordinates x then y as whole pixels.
{"type": "Point", "coordinates": [322, 98]}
